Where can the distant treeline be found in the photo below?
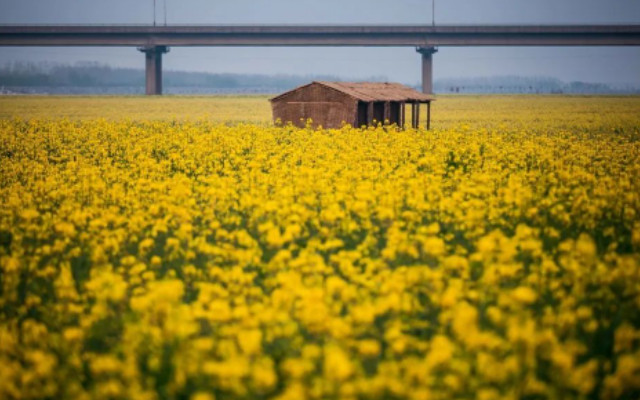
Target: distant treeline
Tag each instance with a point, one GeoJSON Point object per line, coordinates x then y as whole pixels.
{"type": "Point", "coordinates": [86, 78]}
{"type": "Point", "coordinates": [520, 84]}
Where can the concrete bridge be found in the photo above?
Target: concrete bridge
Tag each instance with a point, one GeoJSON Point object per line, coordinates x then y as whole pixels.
{"type": "Point", "coordinates": [154, 41]}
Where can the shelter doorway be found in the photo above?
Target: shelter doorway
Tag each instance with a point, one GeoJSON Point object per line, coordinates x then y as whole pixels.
{"type": "Point", "coordinates": [378, 111]}
{"type": "Point", "coordinates": [363, 113]}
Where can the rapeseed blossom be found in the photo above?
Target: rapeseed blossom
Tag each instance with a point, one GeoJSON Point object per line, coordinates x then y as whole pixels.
{"type": "Point", "coordinates": [197, 260]}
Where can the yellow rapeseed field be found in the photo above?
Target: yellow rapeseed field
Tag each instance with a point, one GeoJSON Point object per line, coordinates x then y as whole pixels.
{"type": "Point", "coordinates": [170, 257]}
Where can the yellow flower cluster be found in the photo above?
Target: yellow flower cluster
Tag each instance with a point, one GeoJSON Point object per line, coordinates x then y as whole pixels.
{"type": "Point", "coordinates": [159, 260]}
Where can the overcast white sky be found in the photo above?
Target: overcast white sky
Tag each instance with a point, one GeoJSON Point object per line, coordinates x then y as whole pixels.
{"type": "Point", "coordinates": [602, 64]}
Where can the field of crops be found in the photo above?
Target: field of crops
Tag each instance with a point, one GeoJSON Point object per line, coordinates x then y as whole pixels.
{"type": "Point", "coordinates": [186, 254]}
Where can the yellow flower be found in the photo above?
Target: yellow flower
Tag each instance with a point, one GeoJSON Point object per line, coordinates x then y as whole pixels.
{"type": "Point", "coordinates": [369, 348]}
{"type": "Point", "coordinates": [202, 396]}
{"type": "Point", "coordinates": [524, 295]}
{"type": "Point", "coordinates": [441, 351]}
{"type": "Point", "coordinates": [66, 229]}
{"type": "Point", "coordinates": [29, 214]}
{"type": "Point", "coordinates": [250, 341]}
{"type": "Point", "coordinates": [263, 374]}
{"type": "Point", "coordinates": [337, 364]}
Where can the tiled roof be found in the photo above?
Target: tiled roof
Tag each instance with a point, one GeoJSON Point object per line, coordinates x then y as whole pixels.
{"type": "Point", "coordinates": [371, 91]}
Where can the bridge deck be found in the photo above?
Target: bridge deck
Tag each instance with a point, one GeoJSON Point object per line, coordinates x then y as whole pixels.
{"type": "Point", "coordinates": [326, 35]}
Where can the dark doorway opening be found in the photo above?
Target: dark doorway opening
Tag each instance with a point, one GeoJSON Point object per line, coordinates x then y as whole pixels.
{"type": "Point", "coordinates": [378, 111]}
{"type": "Point", "coordinates": [362, 114]}
{"type": "Point", "coordinates": [394, 113]}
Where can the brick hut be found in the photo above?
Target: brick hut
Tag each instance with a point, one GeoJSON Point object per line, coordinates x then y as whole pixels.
{"type": "Point", "coordinates": [329, 104]}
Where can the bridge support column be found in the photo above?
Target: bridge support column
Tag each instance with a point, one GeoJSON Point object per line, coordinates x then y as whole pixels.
{"type": "Point", "coordinates": [153, 68]}
{"type": "Point", "coordinates": [427, 68]}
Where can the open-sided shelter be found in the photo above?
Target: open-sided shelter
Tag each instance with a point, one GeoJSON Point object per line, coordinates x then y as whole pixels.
{"type": "Point", "coordinates": [330, 104]}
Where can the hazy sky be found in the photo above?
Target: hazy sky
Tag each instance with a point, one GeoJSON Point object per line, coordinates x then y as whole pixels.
{"type": "Point", "coordinates": [603, 64]}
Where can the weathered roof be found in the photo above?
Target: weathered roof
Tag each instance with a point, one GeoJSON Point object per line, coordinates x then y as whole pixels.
{"type": "Point", "coordinates": [371, 91]}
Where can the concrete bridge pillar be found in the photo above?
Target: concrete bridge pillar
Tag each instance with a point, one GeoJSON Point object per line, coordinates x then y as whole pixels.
{"type": "Point", "coordinates": [153, 68]}
{"type": "Point", "coordinates": [427, 68]}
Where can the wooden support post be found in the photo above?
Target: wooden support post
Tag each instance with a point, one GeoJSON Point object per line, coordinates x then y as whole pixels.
{"type": "Point", "coordinates": [370, 113]}
{"type": "Point", "coordinates": [417, 115]}
{"type": "Point", "coordinates": [428, 115]}
{"type": "Point", "coordinates": [401, 122]}
{"type": "Point", "coordinates": [413, 115]}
